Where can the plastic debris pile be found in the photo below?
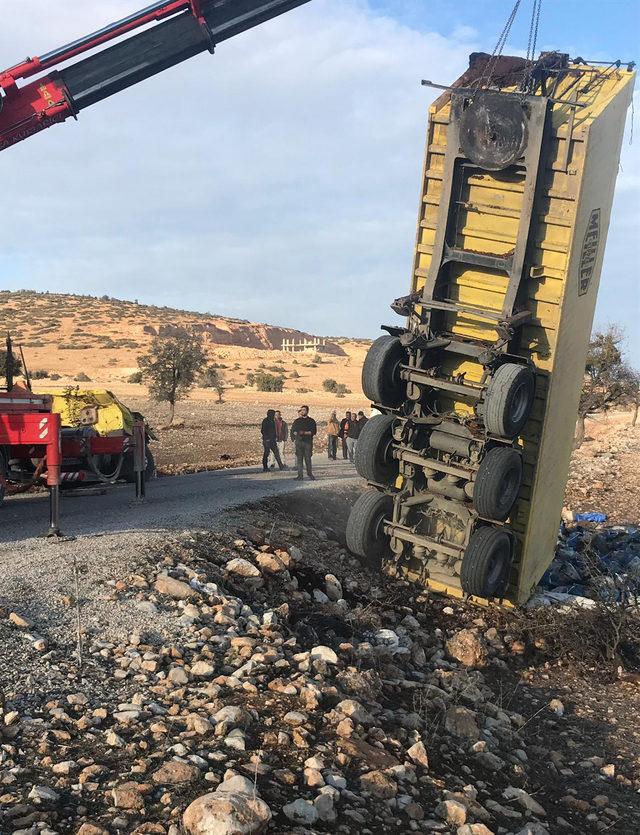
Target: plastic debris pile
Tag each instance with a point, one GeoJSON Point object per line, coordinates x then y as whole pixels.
{"type": "Point", "coordinates": [592, 562]}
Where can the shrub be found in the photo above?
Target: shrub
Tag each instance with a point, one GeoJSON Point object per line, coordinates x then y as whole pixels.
{"type": "Point", "coordinates": [136, 377]}
{"type": "Point", "coordinates": [341, 390]}
{"type": "Point", "coordinates": [54, 376]}
{"type": "Point", "coordinates": [39, 374]}
{"type": "Point", "coordinates": [303, 391]}
{"type": "Point", "coordinates": [330, 385]}
{"type": "Point", "coordinates": [82, 378]}
{"type": "Point", "coordinates": [294, 375]}
{"type": "Point", "coordinates": [269, 382]}
{"type": "Point", "coordinates": [251, 379]}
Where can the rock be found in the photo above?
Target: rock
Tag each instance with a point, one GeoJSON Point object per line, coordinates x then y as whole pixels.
{"type": "Point", "coordinates": [175, 772]}
{"type": "Point", "coordinates": [452, 811]}
{"type": "Point", "coordinates": [320, 596]}
{"type": "Point", "coordinates": [301, 811]}
{"type": "Point", "coordinates": [473, 829]}
{"type": "Point", "coordinates": [418, 753]}
{"type": "Point", "coordinates": [345, 728]}
{"type": "Point", "coordinates": [466, 646]}
{"type": "Point", "coordinates": [461, 722]}
{"type": "Point", "coordinates": [202, 669]}
{"type": "Point", "coordinates": [270, 563]}
{"type": "Point", "coordinates": [231, 716]}
{"type": "Point", "coordinates": [127, 796]}
{"type": "Point", "coordinates": [171, 587]}
{"type": "Point", "coordinates": [324, 804]}
{"type": "Point", "coordinates": [333, 587]}
{"type": "Point", "coordinates": [608, 770]}
{"type": "Point", "coordinates": [322, 653]}
{"type": "Point", "coordinates": [43, 794]}
{"type": "Point", "coordinates": [414, 811]}
{"type": "Point", "coordinates": [91, 829]}
{"type": "Point", "coordinates": [226, 813]}
{"type": "Point", "coordinates": [379, 785]}
{"type": "Point", "coordinates": [242, 567]}
{"type": "Point", "coordinates": [525, 800]}
{"type": "Point", "coordinates": [557, 707]}
{"type": "Point", "coordinates": [354, 710]}
{"type": "Point", "coordinates": [178, 675]}
{"type": "Point", "coordinates": [372, 756]}
{"type": "Point", "coordinates": [295, 718]}
{"type": "Point", "coordinates": [198, 724]}
{"type": "Point", "coordinates": [20, 621]}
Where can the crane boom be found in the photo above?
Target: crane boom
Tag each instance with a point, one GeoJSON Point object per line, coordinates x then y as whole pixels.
{"type": "Point", "coordinates": [176, 31]}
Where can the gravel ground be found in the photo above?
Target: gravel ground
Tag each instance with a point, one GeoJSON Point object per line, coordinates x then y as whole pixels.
{"type": "Point", "coordinates": [109, 535]}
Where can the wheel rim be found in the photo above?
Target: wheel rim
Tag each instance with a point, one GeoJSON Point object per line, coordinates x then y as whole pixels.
{"type": "Point", "coordinates": [520, 403]}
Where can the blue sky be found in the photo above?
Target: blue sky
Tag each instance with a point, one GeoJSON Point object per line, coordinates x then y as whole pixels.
{"type": "Point", "coordinates": [278, 180]}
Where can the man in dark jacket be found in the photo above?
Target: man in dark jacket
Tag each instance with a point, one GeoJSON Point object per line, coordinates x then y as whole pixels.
{"type": "Point", "coordinates": [345, 423]}
{"type": "Point", "coordinates": [269, 442]}
{"type": "Point", "coordinates": [355, 428]}
{"type": "Point", "coordinates": [303, 430]}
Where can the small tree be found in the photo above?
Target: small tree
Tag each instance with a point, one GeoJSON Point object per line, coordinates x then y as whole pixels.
{"type": "Point", "coordinates": [269, 382]}
{"type": "Point", "coordinates": [213, 379]}
{"type": "Point", "coordinates": [16, 365]}
{"type": "Point", "coordinates": [171, 366]}
{"type": "Point", "coordinates": [605, 379]}
{"type": "Point", "coordinates": [329, 385]}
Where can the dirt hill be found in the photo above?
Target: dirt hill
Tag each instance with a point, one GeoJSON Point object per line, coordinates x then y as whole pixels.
{"type": "Point", "coordinates": [67, 335]}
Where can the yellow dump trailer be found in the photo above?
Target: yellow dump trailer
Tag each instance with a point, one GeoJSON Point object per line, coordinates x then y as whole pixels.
{"type": "Point", "coordinates": [479, 388]}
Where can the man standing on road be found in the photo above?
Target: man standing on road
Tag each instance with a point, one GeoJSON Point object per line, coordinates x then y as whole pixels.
{"type": "Point", "coordinates": [269, 444]}
{"type": "Point", "coordinates": [303, 430]}
{"type": "Point", "coordinates": [333, 430]}
{"type": "Point", "coordinates": [343, 433]}
{"type": "Point", "coordinates": [282, 436]}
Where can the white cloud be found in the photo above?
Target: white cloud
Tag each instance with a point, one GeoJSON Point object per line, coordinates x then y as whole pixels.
{"type": "Point", "coordinates": [276, 181]}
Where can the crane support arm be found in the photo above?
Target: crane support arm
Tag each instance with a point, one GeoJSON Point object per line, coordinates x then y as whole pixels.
{"type": "Point", "coordinates": [176, 31]}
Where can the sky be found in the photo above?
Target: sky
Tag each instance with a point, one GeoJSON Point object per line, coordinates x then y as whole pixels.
{"type": "Point", "coordinates": [278, 180]}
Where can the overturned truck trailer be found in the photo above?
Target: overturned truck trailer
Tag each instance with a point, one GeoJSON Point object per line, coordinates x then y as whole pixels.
{"type": "Point", "coordinates": [478, 389]}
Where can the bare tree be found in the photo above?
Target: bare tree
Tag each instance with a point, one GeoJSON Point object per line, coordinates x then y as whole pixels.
{"type": "Point", "coordinates": [605, 379]}
{"type": "Point", "coordinates": [171, 366]}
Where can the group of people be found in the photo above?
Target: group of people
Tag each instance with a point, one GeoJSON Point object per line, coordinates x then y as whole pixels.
{"type": "Point", "coordinates": [348, 431]}
{"type": "Point", "coordinates": [275, 434]}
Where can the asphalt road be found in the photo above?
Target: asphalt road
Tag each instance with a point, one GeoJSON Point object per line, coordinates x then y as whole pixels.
{"type": "Point", "coordinates": [171, 503]}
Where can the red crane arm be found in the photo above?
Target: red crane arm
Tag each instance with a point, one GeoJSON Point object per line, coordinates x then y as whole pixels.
{"type": "Point", "coordinates": [183, 28]}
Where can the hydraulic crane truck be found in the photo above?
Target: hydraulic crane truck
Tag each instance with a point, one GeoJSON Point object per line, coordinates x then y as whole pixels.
{"type": "Point", "coordinates": [478, 387]}
{"type": "Point", "coordinates": [35, 95]}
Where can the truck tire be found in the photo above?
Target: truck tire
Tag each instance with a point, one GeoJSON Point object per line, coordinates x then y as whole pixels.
{"type": "Point", "coordinates": [486, 563]}
{"type": "Point", "coordinates": [508, 400]}
{"type": "Point", "coordinates": [365, 537]}
{"type": "Point", "coordinates": [374, 459]}
{"type": "Point", "coordinates": [498, 483]}
{"type": "Point", "coordinates": [381, 381]}
{"type": "Point", "coordinates": [128, 473]}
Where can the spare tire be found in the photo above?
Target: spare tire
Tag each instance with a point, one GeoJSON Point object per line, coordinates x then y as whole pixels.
{"type": "Point", "coordinates": [498, 483]}
{"type": "Point", "coordinates": [508, 400]}
{"type": "Point", "coordinates": [365, 535]}
{"type": "Point", "coordinates": [374, 451]}
{"type": "Point", "coordinates": [381, 381]}
{"type": "Point", "coordinates": [486, 563]}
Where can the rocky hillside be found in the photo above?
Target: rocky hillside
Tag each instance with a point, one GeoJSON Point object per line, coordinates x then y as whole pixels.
{"type": "Point", "coordinates": [86, 322]}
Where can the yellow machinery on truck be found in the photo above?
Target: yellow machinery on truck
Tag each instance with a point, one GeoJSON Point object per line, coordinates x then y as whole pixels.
{"type": "Point", "coordinates": [97, 432]}
{"type": "Point", "coordinates": [479, 388]}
